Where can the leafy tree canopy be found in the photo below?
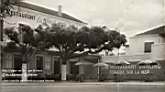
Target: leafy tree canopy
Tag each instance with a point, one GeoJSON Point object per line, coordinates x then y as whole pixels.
{"type": "Point", "coordinates": [72, 42]}
{"type": "Point", "coordinates": [69, 41]}
{"type": "Point", "coordinates": [25, 39]}
{"type": "Point", "coordinates": [6, 6]}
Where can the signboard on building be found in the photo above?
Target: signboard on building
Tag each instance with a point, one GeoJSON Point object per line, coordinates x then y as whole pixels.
{"type": "Point", "coordinates": [35, 17]}
{"type": "Point", "coordinates": [133, 69]}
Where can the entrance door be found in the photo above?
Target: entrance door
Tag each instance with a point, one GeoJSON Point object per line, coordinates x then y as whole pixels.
{"type": "Point", "coordinates": [17, 62]}
{"type": "Point", "coordinates": [57, 68]}
{"type": "Point", "coordinates": [74, 70]}
{"type": "Point", "coordinates": [39, 62]}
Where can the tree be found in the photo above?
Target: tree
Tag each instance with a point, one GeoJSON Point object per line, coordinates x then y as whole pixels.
{"type": "Point", "coordinates": [71, 42]}
{"type": "Point", "coordinates": [116, 40]}
{"type": "Point", "coordinates": [5, 6]}
{"type": "Point", "coordinates": [26, 39]}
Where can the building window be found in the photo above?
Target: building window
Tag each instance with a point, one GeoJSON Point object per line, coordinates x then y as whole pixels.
{"type": "Point", "coordinates": [148, 47]}
{"type": "Point", "coordinates": [39, 62]}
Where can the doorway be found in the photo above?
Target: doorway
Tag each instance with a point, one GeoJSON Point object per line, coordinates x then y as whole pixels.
{"type": "Point", "coordinates": [17, 62]}
{"type": "Point", "coordinates": [57, 68]}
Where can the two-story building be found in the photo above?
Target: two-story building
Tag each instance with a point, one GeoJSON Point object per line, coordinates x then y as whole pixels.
{"type": "Point", "coordinates": [33, 16]}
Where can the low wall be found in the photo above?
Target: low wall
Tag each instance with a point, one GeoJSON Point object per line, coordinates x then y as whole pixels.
{"type": "Point", "coordinates": [148, 72]}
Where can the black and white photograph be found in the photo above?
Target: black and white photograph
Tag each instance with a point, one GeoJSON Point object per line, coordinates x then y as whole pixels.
{"type": "Point", "coordinates": [82, 45]}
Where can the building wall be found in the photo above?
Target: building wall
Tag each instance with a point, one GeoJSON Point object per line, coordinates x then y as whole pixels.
{"type": "Point", "coordinates": [48, 62]}
{"type": "Point", "coordinates": [48, 67]}
{"type": "Point", "coordinates": [158, 51]}
{"type": "Point", "coordinates": [137, 72]}
{"type": "Point", "coordinates": [7, 61]}
{"type": "Point", "coordinates": [137, 43]}
{"type": "Point", "coordinates": [125, 72]}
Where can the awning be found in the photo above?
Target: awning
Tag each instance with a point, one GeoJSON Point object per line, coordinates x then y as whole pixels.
{"type": "Point", "coordinates": [122, 62]}
{"type": "Point", "coordinates": [118, 60]}
{"type": "Point", "coordinates": [146, 61]}
{"type": "Point", "coordinates": [101, 64]}
{"type": "Point", "coordinates": [83, 63]}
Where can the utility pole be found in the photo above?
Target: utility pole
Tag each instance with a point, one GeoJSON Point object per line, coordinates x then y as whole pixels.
{"type": "Point", "coordinates": [3, 13]}
{"type": "Point", "coordinates": [1, 29]}
{"type": "Point", "coordinates": [1, 38]}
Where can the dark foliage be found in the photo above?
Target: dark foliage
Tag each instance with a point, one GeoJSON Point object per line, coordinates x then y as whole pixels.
{"type": "Point", "coordinates": [69, 42]}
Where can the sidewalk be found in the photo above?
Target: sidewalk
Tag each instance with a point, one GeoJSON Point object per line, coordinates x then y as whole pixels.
{"type": "Point", "coordinates": [81, 83]}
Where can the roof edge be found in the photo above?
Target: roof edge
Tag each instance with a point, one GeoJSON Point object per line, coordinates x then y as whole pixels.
{"type": "Point", "coordinates": [43, 9]}
{"type": "Point", "coordinates": [149, 29]}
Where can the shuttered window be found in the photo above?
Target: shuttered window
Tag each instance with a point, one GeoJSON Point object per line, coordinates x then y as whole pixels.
{"type": "Point", "coordinates": [148, 47]}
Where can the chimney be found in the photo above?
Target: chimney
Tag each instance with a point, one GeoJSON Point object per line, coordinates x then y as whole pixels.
{"type": "Point", "coordinates": [60, 10]}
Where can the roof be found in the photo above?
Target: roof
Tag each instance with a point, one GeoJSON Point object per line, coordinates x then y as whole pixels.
{"type": "Point", "coordinates": [155, 30]}
{"type": "Point", "coordinates": [47, 11]}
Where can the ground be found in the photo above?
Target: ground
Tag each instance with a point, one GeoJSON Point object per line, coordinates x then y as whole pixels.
{"type": "Point", "coordinates": [84, 87]}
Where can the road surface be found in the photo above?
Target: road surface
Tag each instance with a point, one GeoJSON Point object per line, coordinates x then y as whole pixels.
{"type": "Point", "coordinates": [84, 87]}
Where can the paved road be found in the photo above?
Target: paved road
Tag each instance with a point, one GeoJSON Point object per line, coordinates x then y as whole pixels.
{"type": "Point", "coordinates": [84, 87]}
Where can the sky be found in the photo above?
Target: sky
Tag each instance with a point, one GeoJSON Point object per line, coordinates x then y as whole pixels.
{"type": "Point", "coordinates": [127, 16]}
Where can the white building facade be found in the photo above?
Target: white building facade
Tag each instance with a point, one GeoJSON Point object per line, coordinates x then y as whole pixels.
{"type": "Point", "coordinates": [34, 15]}
{"type": "Point", "coordinates": [149, 42]}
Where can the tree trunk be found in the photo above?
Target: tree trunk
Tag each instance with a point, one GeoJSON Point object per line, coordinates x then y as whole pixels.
{"type": "Point", "coordinates": [63, 68]}
{"type": "Point", "coordinates": [24, 72]}
{"type": "Point", "coordinates": [63, 72]}
{"type": "Point", "coordinates": [24, 76]}
{"type": "Point", "coordinates": [118, 54]}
